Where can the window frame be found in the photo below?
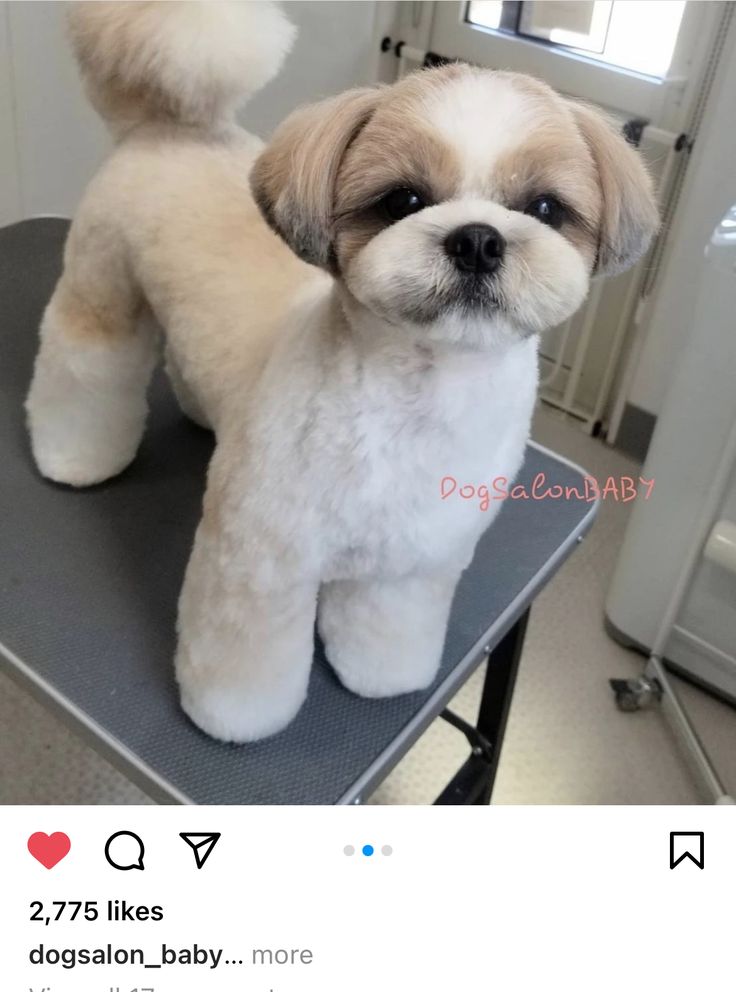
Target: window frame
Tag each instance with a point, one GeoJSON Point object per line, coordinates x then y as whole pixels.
{"type": "Point", "coordinates": [512, 10]}
{"type": "Point", "coordinates": [663, 102]}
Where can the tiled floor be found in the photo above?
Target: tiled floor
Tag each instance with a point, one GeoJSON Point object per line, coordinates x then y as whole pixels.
{"type": "Point", "coordinates": [566, 742]}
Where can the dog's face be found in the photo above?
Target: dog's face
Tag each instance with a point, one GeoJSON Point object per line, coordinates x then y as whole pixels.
{"type": "Point", "coordinates": [473, 205]}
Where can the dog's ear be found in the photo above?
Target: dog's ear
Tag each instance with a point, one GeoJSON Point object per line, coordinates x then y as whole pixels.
{"type": "Point", "coordinates": [629, 216]}
{"type": "Point", "coordinates": [293, 179]}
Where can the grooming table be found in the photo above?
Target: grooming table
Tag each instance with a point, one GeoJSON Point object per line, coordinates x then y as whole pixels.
{"type": "Point", "coordinates": [89, 582]}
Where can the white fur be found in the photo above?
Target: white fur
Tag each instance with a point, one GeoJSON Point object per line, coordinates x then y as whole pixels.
{"type": "Point", "coordinates": [87, 407]}
{"type": "Point", "coordinates": [478, 128]}
{"type": "Point", "coordinates": [399, 623]}
{"type": "Point", "coordinates": [331, 477]}
{"type": "Point", "coordinates": [335, 420]}
{"type": "Point", "coordinates": [410, 254]}
{"type": "Point", "coordinates": [195, 60]}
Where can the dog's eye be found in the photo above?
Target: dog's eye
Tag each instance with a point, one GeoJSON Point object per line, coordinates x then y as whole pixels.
{"type": "Point", "coordinates": [548, 210]}
{"type": "Point", "coordinates": [402, 202]}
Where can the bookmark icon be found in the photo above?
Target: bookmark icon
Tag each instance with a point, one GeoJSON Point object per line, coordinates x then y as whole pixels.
{"type": "Point", "coordinates": [202, 844]}
{"type": "Point", "coordinates": [687, 845]}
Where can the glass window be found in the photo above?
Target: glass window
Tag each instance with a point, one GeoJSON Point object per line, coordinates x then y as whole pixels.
{"type": "Point", "coordinates": [639, 36]}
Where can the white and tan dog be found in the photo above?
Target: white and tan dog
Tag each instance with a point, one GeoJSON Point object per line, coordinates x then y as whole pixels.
{"type": "Point", "coordinates": [378, 333]}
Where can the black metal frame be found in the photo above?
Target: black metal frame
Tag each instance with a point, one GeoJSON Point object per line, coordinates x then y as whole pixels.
{"type": "Point", "coordinates": [473, 783]}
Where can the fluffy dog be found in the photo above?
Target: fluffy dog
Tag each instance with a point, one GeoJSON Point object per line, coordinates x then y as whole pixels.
{"type": "Point", "coordinates": [354, 310]}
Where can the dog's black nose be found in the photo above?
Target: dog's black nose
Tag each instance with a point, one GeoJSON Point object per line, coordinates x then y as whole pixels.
{"type": "Point", "coordinates": [475, 248]}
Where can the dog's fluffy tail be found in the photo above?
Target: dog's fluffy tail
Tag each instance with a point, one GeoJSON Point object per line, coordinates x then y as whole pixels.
{"type": "Point", "coordinates": [178, 60]}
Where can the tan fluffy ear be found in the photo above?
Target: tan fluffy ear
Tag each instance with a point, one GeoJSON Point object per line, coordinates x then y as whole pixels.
{"type": "Point", "coordinates": [629, 217]}
{"type": "Point", "coordinates": [293, 179]}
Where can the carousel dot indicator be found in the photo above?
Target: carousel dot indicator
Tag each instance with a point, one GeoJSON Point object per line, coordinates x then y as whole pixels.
{"type": "Point", "coordinates": [387, 850]}
{"type": "Point", "coordinates": [348, 850]}
{"type": "Point", "coordinates": [368, 850]}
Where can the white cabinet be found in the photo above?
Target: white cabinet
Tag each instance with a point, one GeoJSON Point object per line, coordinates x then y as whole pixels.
{"type": "Point", "coordinates": [692, 511]}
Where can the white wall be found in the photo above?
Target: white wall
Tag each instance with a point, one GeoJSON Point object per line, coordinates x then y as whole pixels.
{"type": "Point", "coordinates": [59, 137]}
{"type": "Point", "coordinates": [51, 141]}
{"type": "Point", "coordinates": [9, 189]}
{"type": "Point", "coordinates": [710, 187]}
{"type": "Point", "coordinates": [334, 51]}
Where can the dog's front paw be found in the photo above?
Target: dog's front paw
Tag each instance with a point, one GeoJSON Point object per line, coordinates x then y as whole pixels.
{"type": "Point", "coordinates": [237, 718]}
{"type": "Point", "coordinates": [383, 675]}
{"type": "Point", "coordinates": [240, 692]}
{"type": "Point", "coordinates": [369, 665]}
{"type": "Point", "coordinates": [384, 639]}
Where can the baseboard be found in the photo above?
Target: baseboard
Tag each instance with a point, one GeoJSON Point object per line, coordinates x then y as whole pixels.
{"type": "Point", "coordinates": [635, 431]}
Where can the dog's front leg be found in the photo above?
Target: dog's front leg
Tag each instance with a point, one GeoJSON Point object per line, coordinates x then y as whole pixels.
{"type": "Point", "coordinates": [386, 637]}
{"type": "Point", "coordinates": [245, 648]}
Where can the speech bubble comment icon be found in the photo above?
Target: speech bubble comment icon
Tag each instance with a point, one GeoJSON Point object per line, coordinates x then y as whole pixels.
{"type": "Point", "coordinates": [125, 851]}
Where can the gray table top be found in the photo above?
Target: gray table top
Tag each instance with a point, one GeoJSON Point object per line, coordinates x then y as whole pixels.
{"type": "Point", "coordinates": [89, 583]}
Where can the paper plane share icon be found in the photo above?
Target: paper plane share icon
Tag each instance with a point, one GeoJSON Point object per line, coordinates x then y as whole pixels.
{"type": "Point", "coordinates": [202, 845]}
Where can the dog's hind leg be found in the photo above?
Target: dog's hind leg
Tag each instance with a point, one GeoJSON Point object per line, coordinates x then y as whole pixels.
{"type": "Point", "coordinates": [185, 397]}
{"type": "Point", "coordinates": [87, 403]}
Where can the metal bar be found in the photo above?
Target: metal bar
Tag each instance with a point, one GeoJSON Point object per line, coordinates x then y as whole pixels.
{"type": "Point", "coordinates": [498, 691]}
{"type": "Point", "coordinates": [708, 514]}
{"type": "Point", "coordinates": [583, 342]}
{"type": "Point", "coordinates": [91, 732]}
{"type": "Point", "coordinates": [672, 707]}
{"type": "Point", "coordinates": [558, 360]}
{"type": "Point", "coordinates": [617, 344]}
{"type": "Point", "coordinates": [406, 54]}
{"type": "Point", "coordinates": [472, 785]}
{"type": "Point", "coordinates": [510, 16]}
{"type": "Point", "coordinates": [627, 326]}
{"type": "Point", "coordinates": [687, 735]}
{"type": "Point", "coordinates": [469, 786]}
{"type": "Point", "coordinates": [471, 734]}
{"type": "Point", "coordinates": [576, 412]}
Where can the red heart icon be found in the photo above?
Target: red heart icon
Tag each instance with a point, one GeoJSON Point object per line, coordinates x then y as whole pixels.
{"type": "Point", "coordinates": [49, 850]}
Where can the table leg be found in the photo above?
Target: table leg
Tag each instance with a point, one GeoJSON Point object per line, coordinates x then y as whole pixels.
{"type": "Point", "coordinates": [473, 783]}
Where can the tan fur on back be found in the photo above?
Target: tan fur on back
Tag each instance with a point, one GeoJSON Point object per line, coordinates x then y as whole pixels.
{"type": "Point", "coordinates": [178, 219]}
